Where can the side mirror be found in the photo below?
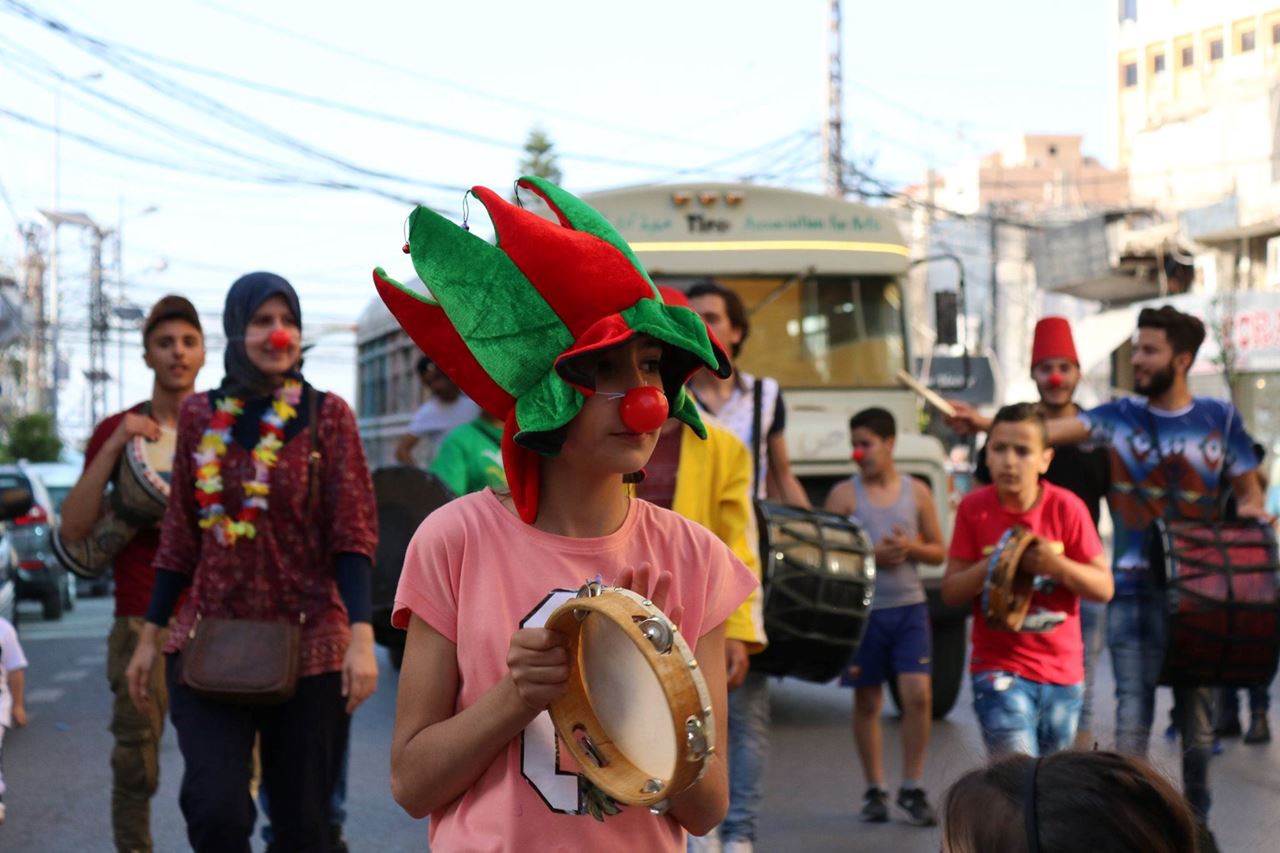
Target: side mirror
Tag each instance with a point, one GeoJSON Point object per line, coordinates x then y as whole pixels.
{"type": "Point", "coordinates": [14, 502]}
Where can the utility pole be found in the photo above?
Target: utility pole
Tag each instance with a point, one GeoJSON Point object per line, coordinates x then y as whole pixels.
{"type": "Point", "coordinates": [35, 363]}
{"type": "Point", "coordinates": [832, 138]}
{"type": "Point", "coordinates": [97, 374]}
{"type": "Point", "coordinates": [995, 281]}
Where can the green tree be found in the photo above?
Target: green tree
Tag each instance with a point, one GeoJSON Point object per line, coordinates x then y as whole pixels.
{"type": "Point", "coordinates": [540, 157]}
{"type": "Point", "coordinates": [34, 438]}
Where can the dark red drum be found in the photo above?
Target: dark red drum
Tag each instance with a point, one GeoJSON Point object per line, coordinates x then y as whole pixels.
{"type": "Point", "coordinates": [1222, 586]}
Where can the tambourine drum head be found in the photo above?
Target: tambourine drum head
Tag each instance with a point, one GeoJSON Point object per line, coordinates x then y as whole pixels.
{"type": "Point", "coordinates": [627, 697]}
{"type": "Point", "coordinates": [405, 496]}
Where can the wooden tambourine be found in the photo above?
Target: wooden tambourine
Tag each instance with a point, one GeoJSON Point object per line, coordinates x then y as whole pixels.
{"type": "Point", "coordinates": [637, 718]}
{"type": "Point", "coordinates": [1006, 596]}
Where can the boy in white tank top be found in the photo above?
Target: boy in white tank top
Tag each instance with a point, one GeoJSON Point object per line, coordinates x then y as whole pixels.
{"type": "Point", "coordinates": [898, 514]}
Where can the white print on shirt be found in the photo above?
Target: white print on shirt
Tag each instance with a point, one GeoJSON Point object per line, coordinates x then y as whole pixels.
{"type": "Point", "coordinates": [539, 746]}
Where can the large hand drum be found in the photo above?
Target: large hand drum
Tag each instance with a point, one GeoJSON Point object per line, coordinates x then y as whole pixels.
{"type": "Point", "coordinates": [637, 718]}
{"type": "Point", "coordinates": [1222, 602]}
{"type": "Point", "coordinates": [1006, 595]}
{"type": "Point", "coordinates": [820, 572]}
{"type": "Point", "coordinates": [138, 499]}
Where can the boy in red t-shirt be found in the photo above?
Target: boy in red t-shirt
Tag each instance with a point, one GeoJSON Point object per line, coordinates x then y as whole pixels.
{"type": "Point", "coordinates": [1027, 685]}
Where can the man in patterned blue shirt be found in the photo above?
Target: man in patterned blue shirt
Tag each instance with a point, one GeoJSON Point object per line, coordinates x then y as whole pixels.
{"type": "Point", "coordinates": [1170, 454]}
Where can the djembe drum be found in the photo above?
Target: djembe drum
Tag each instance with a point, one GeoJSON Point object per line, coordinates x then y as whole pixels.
{"type": "Point", "coordinates": [137, 500]}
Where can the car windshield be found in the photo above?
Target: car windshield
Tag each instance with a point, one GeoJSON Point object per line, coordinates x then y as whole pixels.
{"type": "Point", "coordinates": [823, 330]}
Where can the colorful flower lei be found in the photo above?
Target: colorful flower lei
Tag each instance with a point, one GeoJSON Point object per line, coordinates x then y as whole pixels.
{"type": "Point", "coordinates": [213, 446]}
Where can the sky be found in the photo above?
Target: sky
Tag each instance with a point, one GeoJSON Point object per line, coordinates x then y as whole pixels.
{"type": "Point", "coordinates": [211, 109]}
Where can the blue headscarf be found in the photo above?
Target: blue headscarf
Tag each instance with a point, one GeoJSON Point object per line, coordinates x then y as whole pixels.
{"type": "Point", "coordinates": [245, 297]}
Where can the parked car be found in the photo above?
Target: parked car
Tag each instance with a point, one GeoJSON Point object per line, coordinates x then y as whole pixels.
{"type": "Point", "coordinates": [12, 504]}
{"type": "Point", "coordinates": [40, 575]}
{"type": "Point", "coordinates": [59, 478]}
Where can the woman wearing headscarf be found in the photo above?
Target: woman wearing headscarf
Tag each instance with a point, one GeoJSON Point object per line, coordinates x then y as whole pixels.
{"type": "Point", "coordinates": [271, 519]}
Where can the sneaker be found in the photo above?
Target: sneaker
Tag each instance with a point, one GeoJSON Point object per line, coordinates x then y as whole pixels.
{"type": "Point", "coordinates": [875, 806]}
{"type": "Point", "coordinates": [1259, 730]}
{"type": "Point", "coordinates": [917, 807]}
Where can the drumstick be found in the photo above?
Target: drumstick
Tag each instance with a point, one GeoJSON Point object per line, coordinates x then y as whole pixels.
{"type": "Point", "coordinates": [927, 394]}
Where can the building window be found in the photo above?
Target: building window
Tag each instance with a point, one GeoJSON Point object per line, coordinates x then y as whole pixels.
{"type": "Point", "coordinates": [1215, 50]}
{"type": "Point", "coordinates": [1130, 74]}
{"type": "Point", "coordinates": [1188, 56]}
{"type": "Point", "coordinates": [1128, 10]}
{"type": "Point", "coordinates": [1157, 64]}
{"type": "Point", "coordinates": [1275, 33]}
{"type": "Point", "coordinates": [1246, 41]}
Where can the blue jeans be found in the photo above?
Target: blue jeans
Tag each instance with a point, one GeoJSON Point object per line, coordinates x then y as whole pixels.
{"type": "Point", "coordinates": [1229, 701]}
{"type": "Point", "coordinates": [1136, 635]}
{"type": "Point", "coordinates": [1093, 630]}
{"type": "Point", "coordinates": [1021, 715]}
{"type": "Point", "coordinates": [748, 753]}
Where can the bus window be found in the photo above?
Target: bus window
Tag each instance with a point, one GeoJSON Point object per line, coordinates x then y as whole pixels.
{"type": "Point", "coordinates": [823, 331]}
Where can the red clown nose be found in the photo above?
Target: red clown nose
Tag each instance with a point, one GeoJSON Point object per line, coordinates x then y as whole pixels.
{"type": "Point", "coordinates": [859, 454]}
{"type": "Point", "coordinates": [1055, 380]}
{"type": "Point", "coordinates": [644, 409]}
{"type": "Point", "coordinates": [280, 339]}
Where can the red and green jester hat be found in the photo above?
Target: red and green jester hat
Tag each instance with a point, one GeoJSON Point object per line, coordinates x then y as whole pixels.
{"type": "Point", "coordinates": [509, 322]}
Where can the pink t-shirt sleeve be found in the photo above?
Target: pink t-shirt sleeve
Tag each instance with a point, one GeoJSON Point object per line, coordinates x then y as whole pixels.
{"type": "Point", "coordinates": [729, 582]}
{"type": "Point", "coordinates": [428, 585]}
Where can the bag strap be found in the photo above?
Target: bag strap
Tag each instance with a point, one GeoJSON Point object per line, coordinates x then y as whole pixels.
{"type": "Point", "coordinates": [757, 412]}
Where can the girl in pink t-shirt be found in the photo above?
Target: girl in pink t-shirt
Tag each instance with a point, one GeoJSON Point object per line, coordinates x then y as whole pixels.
{"type": "Point", "coordinates": [597, 356]}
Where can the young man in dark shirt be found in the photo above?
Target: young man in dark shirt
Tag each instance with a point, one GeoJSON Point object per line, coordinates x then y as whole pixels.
{"type": "Point", "coordinates": [1084, 471]}
{"type": "Point", "coordinates": [173, 349]}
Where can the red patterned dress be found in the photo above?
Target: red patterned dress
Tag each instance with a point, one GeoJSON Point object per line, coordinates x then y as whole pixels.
{"type": "Point", "coordinates": [287, 570]}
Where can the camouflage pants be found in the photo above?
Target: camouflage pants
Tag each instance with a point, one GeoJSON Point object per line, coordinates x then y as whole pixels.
{"type": "Point", "coordinates": [135, 760]}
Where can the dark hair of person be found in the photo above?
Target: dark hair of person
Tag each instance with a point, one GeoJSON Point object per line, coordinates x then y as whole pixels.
{"type": "Point", "coordinates": [879, 421]}
{"type": "Point", "coordinates": [733, 307]}
{"type": "Point", "coordinates": [1023, 413]}
{"type": "Point", "coordinates": [171, 307]}
{"type": "Point", "coordinates": [1185, 332]}
{"type": "Point", "coordinates": [1101, 802]}
{"type": "Point", "coordinates": [423, 363]}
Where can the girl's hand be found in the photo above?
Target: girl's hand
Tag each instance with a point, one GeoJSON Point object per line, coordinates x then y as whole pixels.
{"type": "Point", "coordinates": [538, 664]}
{"type": "Point", "coordinates": [359, 667]}
{"type": "Point", "coordinates": [653, 584]}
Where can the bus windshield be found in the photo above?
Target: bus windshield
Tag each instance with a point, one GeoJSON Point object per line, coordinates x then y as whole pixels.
{"type": "Point", "coordinates": [823, 330]}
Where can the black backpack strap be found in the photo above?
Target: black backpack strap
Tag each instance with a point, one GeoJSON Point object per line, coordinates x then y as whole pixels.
{"type": "Point", "coordinates": [757, 413]}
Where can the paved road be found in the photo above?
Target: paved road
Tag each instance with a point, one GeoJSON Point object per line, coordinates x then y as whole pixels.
{"type": "Point", "coordinates": [57, 768]}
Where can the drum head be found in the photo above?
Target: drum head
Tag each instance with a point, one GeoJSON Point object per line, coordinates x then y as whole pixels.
{"type": "Point", "coordinates": [627, 697]}
{"type": "Point", "coordinates": [158, 455]}
{"type": "Point", "coordinates": [405, 496]}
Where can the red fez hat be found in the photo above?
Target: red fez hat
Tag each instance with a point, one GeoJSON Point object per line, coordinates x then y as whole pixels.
{"type": "Point", "coordinates": [1053, 340]}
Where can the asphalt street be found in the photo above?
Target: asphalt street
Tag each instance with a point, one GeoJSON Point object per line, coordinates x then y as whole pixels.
{"type": "Point", "coordinates": [58, 772]}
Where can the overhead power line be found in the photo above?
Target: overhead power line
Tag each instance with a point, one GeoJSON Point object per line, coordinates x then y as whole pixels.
{"type": "Point", "coordinates": [541, 109]}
